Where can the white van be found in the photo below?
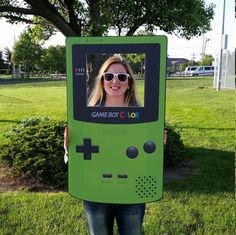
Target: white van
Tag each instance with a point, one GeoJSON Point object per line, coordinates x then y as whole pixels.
{"type": "Point", "coordinates": [189, 70]}
{"type": "Point", "coordinates": [204, 71]}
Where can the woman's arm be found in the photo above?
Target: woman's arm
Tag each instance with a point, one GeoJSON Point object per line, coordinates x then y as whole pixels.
{"type": "Point", "coordinates": [165, 136]}
{"type": "Point", "coordinates": [66, 141]}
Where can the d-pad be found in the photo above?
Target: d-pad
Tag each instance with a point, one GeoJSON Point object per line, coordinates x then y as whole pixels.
{"type": "Point", "coordinates": [87, 149]}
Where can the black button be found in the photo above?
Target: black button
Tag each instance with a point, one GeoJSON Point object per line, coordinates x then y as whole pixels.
{"type": "Point", "coordinates": [122, 176]}
{"type": "Point", "coordinates": [107, 175]}
{"type": "Point", "coordinates": [132, 152]}
{"type": "Point", "coordinates": [149, 147]}
{"type": "Point", "coordinates": [87, 148]}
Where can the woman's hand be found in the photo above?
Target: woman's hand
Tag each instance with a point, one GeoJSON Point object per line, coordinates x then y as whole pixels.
{"type": "Point", "coordinates": [66, 141]}
{"type": "Point", "coordinates": [165, 136]}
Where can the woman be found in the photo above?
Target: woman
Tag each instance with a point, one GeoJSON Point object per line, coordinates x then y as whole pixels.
{"type": "Point", "coordinates": [114, 87]}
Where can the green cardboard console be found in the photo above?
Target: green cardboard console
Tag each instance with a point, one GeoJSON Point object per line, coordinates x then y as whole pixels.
{"type": "Point", "coordinates": [116, 153]}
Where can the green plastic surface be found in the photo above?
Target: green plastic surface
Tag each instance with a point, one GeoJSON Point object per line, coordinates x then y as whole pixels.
{"type": "Point", "coordinates": [144, 182]}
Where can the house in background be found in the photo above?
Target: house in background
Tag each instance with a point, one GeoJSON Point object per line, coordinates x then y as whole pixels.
{"type": "Point", "coordinates": [173, 64]}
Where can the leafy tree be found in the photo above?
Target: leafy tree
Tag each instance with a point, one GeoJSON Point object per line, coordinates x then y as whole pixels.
{"type": "Point", "coordinates": [54, 59]}
{"type": "Point", "coordinates": [7, 54]}
{"type": "Point", "coordinates": [192, 63]}
{"type": "Point", "coordinates": [41, 30]}
{"type": "Point", "coordinates": [136, 62]}
{"type": "Point", "coordinates": [26, 52]}
{"type": "Point", "coordinates": [184, 18]}
{"type": "Point", "coordinates": [2, 62]}
{"type": "Point", "coordinates": [136, 58]}
{"type": "Point", "coordinates": [183, 66]}
{"type": "Point", "coordinates": [207, 60]}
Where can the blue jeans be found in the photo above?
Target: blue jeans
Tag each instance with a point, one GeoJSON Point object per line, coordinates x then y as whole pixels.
{"type": "Point", "coordinates": [100, 217]}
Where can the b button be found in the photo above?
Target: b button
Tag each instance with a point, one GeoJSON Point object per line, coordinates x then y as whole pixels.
{"type": "Point", "coordinates": [132, 152]}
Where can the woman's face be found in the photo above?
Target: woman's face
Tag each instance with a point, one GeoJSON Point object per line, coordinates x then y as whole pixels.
{"type": "Point", "coordinates": [115, 87]}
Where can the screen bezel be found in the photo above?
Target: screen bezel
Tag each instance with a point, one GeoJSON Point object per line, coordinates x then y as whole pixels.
{"type": "Point", "coordinates": [116, 115]}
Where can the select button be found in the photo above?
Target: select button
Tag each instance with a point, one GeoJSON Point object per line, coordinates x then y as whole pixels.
{"type": "Point", "coordinates": [122, 176]}
{"type": "Point", "coordinates": [107, 175]}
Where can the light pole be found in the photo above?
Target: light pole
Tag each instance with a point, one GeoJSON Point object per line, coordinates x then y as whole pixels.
{"type": "Point", "coordinates": [204, 43]}
{"type": "Point", "coordinates": [218, 87]}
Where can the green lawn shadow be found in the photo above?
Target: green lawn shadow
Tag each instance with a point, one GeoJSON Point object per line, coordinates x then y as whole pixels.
{"type": "Point", "coordinates": [6, 81]}
{"type": "Point", "coordinates": [210, 172]}
{"type": "Point", "coordinates": [11, 121]}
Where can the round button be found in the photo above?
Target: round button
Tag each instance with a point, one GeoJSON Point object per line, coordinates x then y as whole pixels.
{"type": "Point", "coordinates": [132, 152]}
{"type": "Point", "coordinates": [149, 147]}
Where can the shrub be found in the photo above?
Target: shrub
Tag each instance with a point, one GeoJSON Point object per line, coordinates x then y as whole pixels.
{"type": "Point", "coordinates": [35, 147]}
{"type": "Point", "coordinates": [174, 151]}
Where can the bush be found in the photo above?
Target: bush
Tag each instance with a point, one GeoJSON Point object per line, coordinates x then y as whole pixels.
{"type": "Point", "coordinates": [35, 148]}
{"type": "Point", "coordinates": [174, 151]}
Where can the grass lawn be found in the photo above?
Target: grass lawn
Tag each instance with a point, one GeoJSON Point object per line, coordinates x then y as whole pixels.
{"type": "Point", "coordinates": [26, 99]}
{"type": "Point", "coordinates": [202, 202]}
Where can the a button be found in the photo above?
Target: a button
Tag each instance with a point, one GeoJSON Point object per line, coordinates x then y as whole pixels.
{"type": "Point", "coordinates": [149, 147]}
{"type": "Point", "coordinates": [132, 152]}
{"type": "Point", "coordinates": [122, 176]}
{"type": "Point", "coordinates": [87, 148]}
{"type": "Point", "coordinates": [107, 175]}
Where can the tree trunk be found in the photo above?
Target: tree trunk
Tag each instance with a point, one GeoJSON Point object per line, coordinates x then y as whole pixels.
{"type": "Point", "coordinates": [95, 22]}
{"type": "Point", "coordinates": [27, 68]}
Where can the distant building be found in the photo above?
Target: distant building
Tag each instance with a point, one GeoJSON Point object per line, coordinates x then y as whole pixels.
{"type": "Point", "coordinates": [173, 64]}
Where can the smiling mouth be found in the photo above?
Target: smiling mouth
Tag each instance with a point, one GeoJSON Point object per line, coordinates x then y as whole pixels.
{"type": "Point", "coordinates": [115, 88]}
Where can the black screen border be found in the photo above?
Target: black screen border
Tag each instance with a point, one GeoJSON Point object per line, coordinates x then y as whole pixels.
{"type": "Point", "coordinates": [148, 113]}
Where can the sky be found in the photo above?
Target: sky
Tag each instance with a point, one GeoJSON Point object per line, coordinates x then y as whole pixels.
{"type": "Point", "coordinates": [177, 47]}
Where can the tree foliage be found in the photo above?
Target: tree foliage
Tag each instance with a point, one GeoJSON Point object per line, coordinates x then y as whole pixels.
{"type": "Point", "coordinates": [2, 62]}
{"type": "Point", "coordinates": [5, 59]}
{"type": "Point", "coordinates": [26, 52]}
{"type": "Point", "coordinates": [136, 58]}
{"type": "Point", "coordinates": [41, 31]}
{"type": "Point", "coordinates": [185, 18]}
{"type": "Point", "coordinates": [207, 60]}
{"type": "Point", "coordinates": [54, 59]}
{"type": "Point", "coordinates": [7, 54]}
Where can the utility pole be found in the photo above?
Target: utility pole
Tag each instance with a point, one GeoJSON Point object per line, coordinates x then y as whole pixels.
{"type": "Point", "coordinates": [207, 40]}
{"type": "Point", "coordinates": [204, 43]}
{"type": "Point", "coordinates": [221, 51]}
{"type": "Point", "coordinates": [14, 66]}
{"type": "Point", "coordinates": [193, 59]}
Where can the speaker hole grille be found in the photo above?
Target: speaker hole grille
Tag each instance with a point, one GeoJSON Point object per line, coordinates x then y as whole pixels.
{"type": "Point", "coordinates": [146, 187]}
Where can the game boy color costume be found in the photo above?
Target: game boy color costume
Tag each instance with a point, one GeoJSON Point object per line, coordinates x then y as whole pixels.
{"type": "Point", "coordinates": [116, 153]}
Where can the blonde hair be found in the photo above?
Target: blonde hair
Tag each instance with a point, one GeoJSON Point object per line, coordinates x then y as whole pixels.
{"type": "Point", "coordinates": [98, 95]}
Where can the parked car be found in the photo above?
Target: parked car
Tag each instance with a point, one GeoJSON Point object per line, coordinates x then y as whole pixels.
{"type": "Point", "coordinates": [203, 71]}
{"type": "Point", "coordinates": [189, 70]}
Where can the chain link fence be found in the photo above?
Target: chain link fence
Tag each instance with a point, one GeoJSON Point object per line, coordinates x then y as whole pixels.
{"type": "Point", "coordinates": [227, 70]}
